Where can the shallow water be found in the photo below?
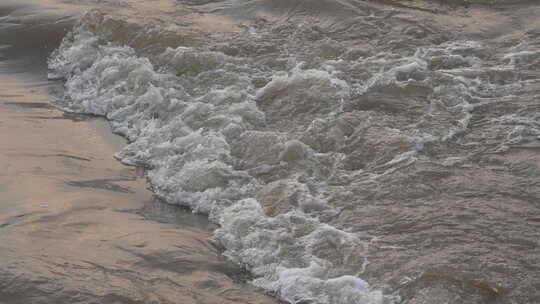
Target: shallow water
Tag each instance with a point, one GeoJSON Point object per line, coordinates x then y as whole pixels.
{"type": "Point", "coordinates": [348, 151]}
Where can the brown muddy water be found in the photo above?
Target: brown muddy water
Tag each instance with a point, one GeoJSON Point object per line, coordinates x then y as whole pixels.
{"type": "Point", "coordinates": [335, 151]}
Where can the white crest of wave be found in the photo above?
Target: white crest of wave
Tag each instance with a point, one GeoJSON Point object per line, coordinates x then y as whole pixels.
{"type": "Point", "coordinates": [185, 132]}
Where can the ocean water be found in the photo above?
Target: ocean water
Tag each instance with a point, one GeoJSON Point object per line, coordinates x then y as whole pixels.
{"type": "Point", "coordinates": [349, 152]}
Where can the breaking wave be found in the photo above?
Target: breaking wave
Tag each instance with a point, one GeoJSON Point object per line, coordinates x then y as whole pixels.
{"type": "Point", "coordinates": [272, 148]}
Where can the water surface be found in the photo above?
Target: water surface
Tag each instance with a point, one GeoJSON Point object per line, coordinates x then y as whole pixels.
{"type": "Point", "coordinates": [347, 151]}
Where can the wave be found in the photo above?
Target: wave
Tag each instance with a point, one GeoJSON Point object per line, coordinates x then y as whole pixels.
{"type": "Point", "coordinates": [185, 137]}
{"type": "Point", "coordinates": [272, 148]}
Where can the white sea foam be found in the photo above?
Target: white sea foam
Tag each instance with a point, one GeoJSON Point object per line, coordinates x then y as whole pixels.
{"type": "Point", "coordinates": [185, 134]}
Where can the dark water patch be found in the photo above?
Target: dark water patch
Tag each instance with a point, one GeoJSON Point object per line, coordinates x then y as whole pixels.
{"type": "Point", "coordinates": [66, 116]}
{"type": "Point", "coordinates": [167, 260]}
{"type": "Point", "coordinates": [181, 262]}
{"type": "Point", "coordinates": [103, 184]}
{"type": "Point", "coordinates": [207, 284]}
{"type": "Point", "coordinates": [63, 215]}
{"type": "Point", "coordinates": [27, 105]}
{"type": "Point", "coordinates": [159, 211]}
{"type": "Point", "coordinates": [79, 225]}
{"type": "Point", "coordinates": [68, 156]}
{"type": "Point", "coordinates": [54, 155]}
{"type": "Point", "coordinates": [17, 218]}
{"type": "Point", "coordinates": [31, 33]}
{"type": "Point", "coordinates": [7, 9]}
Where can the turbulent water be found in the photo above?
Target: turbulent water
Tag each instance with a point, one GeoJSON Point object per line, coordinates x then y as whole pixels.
{"type": "Point", "coordinates": [350, 152]}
